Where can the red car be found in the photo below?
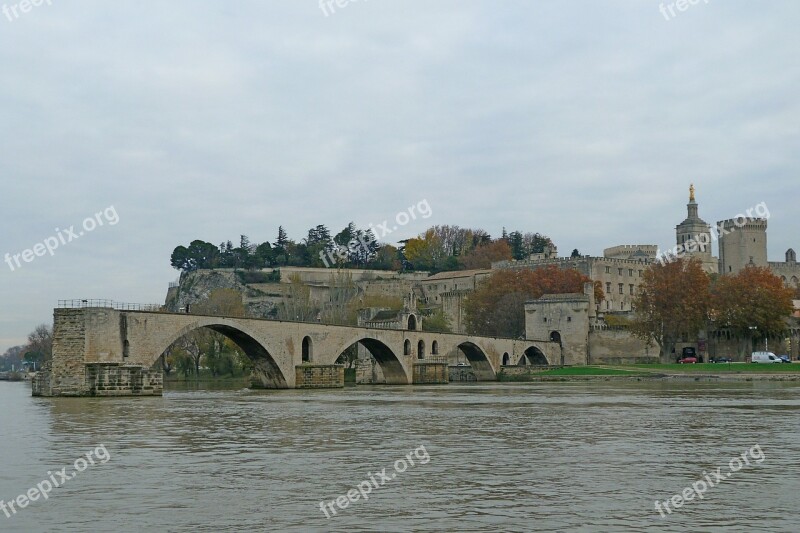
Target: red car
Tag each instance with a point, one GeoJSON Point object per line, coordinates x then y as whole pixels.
{"type": "Point", "coordinates": [687, 360]}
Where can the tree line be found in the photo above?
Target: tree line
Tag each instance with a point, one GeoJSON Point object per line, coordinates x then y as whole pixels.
{"type": "Point", "coordinates": [676, 300]}
{"type": "Point", "coordinates": [497, 306]}
{"type": "Point", "coordinates": [437, 249]}
{"type": "Point", "coordinates": [33, 354]}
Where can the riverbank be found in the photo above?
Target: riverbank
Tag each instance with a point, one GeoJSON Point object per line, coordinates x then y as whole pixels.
{"type": "Point", "coordinates": [666, 372]}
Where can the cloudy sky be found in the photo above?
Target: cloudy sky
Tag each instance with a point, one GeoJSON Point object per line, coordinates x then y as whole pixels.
{"type": "Point", "coordinates": [583, 120]}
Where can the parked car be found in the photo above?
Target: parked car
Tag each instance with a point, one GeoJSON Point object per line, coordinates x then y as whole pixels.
{"type": "Point", "coordinates": [688, 351]}
{"type": "Point", "coordinates": [687, 360]}
{"type": "Point", "coordinates": [785, 358]}
{"type": "Point", "coordinates": [765, 357]}
{"type": "Point", "coordinates": [721, 359]}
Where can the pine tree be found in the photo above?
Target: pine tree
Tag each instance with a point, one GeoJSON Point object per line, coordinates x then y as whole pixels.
{"type": "Point", "coordinates": [280, 246]}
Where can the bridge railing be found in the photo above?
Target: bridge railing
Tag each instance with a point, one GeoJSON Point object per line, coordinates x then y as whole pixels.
{"type": "Point", "coordinates": [432, 359]}
{"type": "Point", "coordinates": [108, 304]}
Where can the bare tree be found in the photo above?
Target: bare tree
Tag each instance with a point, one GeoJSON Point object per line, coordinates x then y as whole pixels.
{"type": "Point", "coordinates": [40, 344]}
{"type": "Point", "coordinates": [297, 304]}
{"type": "Point", "coordinates": [342, 291]}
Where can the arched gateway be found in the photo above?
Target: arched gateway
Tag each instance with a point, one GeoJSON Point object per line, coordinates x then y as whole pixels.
{"type": "Point", "coordinates": [106, 351]}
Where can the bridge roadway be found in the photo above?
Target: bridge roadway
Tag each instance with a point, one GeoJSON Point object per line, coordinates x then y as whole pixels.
{"type": "Point", "coordinates": [91, 336]}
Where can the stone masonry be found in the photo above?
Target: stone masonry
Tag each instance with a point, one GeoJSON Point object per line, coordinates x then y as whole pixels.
{"type": "Point", "coordinates": [319, 376]}
{"type": "Point", "coordinates": [103, 351]}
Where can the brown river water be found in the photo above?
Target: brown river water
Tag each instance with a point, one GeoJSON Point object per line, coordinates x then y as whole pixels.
{"type": "Point", "coordinates": [461, 457]}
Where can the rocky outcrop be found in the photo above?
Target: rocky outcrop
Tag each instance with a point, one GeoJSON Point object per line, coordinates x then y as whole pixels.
{"type": "Point", "coordinates": [197, 286]}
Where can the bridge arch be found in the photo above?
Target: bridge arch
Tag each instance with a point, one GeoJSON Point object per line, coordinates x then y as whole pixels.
{"type": "Point", "coordinates": [478, 360]}
{"type": "Point", "coordinates": [266, 369]}
{"type": "Point", "coordinates": [533, 356]}
{"type": "Point", "coordinates": [391, 365]}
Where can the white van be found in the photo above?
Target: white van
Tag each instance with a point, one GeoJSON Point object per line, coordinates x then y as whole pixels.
{"type": "Point", "coordinates": [765, 357]}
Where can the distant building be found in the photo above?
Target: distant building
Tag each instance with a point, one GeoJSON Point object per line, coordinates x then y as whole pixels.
{"type": "Point", "coordinates": [619, 276]}
{"type": "Point", "coordinates": [693, 237]}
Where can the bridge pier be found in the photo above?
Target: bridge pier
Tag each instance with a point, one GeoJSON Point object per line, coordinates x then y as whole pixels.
{"type": "Point", "coordinates": [433, 373]}
{"type": "Point", "coordinates": [319, 376]}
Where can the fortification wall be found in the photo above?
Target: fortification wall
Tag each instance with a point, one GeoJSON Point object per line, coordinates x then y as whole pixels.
{"type": "Point", "coordinates": [619, 346]}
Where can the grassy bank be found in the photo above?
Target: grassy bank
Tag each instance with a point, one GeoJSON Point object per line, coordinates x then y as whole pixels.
{"type": "Point", "coordinates": [570, 371]}
{"type": "Point", "coordinates": [580, 373]}
{"type": "Point", "coordinates": [588, 371]}
{"type": "Point", "coordinates": [713, 368]}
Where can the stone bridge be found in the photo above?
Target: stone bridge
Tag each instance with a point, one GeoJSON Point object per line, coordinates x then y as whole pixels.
{"type": "Point", "coordinates": [105, 351]}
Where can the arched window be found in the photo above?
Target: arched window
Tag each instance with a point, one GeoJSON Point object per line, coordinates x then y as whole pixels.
{"type": "Point", "coordinates": [421, 349]}
{"type": "Point", "coordinates": [435, 348]}
{"type": "Point", "coordinates": [505, 359]}
{"type": "Point", "coordinates": [412, 323]}
{"type": "Point", "coordinates": [407, 347]}
{"type": "Point", "coordinates": [307, 349]}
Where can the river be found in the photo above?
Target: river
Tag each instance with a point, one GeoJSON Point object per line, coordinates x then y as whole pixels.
{"type": "Point", "coordinates": [461, 457]}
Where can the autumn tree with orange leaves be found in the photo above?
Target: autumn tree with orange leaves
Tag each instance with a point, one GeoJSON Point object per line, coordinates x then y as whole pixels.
{"type": "Point", "coordinates": [497, 307]}
{"type": "Point", "coordinates": [673, 300]}
{"type": "Point", "coordinates": [752, 298]}
{"type": "Point", "coordinates": [483, 256]}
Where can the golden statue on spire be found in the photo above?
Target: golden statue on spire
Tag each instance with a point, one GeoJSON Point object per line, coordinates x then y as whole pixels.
{"type": "Point", "coordinates": [691, 192]}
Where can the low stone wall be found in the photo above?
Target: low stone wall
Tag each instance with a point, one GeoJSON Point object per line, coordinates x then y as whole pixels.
{"type": "Point", "coordinates": [622, 360]}
{"type": "Point", "coordinates": [461, 373]}
{"type": "Point", "coordinates": [430, 373]}
{"type": "Point", "coordinates": [619, 346]}
{"type": "Point", "coordinates": [112, 379]}
{"type": "Point", "coordinates": [524, 370]}
{"type": "Point", "coordinates": [319, 376]}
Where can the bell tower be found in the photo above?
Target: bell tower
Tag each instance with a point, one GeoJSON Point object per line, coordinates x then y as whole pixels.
{"type": "Point", "coordinates": [694, 235]}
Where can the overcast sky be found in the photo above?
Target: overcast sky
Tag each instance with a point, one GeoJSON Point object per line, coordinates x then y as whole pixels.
{"type": "Point", "coordinates": [583, 120]}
